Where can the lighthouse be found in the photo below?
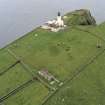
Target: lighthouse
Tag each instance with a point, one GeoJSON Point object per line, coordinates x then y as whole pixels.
{"type": "Point", "coordinates": [56, 24]}
{"type": "Point", "coordinates": [59, 16]}
{"type": "Point", "coordinates": [59, 21]}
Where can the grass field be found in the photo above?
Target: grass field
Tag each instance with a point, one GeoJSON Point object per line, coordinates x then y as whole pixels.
{"type": "Point", "coordinates": [5, 59]}
{"type": "Point", "coordinates": [31, 95]}
{"type": "Point", "coordinates": [87, 88]}
{"type": "Point", "coordinates": [15, 77]}
{"type": "Point", "coordinates": [60, 53]}
{"type": "Point", "coordinates": [75, 56]}
{"type": "Point", "coordinates": [12, 79]}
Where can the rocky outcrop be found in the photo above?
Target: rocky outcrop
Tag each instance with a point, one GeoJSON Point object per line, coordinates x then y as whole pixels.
{"type": "Point", "coordinates": [79, 17]}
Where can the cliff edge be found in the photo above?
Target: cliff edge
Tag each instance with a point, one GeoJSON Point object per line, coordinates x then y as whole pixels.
{"type": "Point", "coordinates": [79, 17]}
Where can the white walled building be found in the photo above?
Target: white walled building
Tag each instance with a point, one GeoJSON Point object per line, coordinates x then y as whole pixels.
{"type": "Point", "coordinates": [59, 21]}
{"type": "Point", "coordinates": [54, 25]}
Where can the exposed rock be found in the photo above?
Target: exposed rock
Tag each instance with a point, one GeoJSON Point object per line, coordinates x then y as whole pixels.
{"type": "Point", "coordinates": [79, 17]}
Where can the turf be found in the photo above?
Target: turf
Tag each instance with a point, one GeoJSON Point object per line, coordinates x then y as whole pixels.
{"type": "Point", "coordinates": [5, 59]}
{"type": "Point", "coordinates": [60, 53]}
{"type": "Point", "coordinates": [31, 95]}
{"type": "Point", "coordinates": [12, 79]}
{"type": "Point", "coordinates": [72, 55]}
{"type": "Point", "coordinates": [87, 88]}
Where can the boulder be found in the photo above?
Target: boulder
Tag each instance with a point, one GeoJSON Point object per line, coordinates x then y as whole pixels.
{"type": "Point", "coordinates": [79, 17]}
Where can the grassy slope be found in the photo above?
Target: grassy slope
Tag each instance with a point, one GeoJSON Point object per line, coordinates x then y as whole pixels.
{"type": "Point", "coordinates": [62, 54]}
{"type": "Point", "coordinates": [87, 88]}
{"type": "Point", "coordinates": [5, 59]}
{"type": "Point", "coordinates": [31, 95]}
{"type": "Point", "coordinates": [13, 78]}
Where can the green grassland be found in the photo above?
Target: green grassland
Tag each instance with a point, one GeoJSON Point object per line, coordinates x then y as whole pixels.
{"type": "Point", "coordinates": [5, 59]}
{"type": "Point", "coordinates": [87, 88]}
{"type": "Point", "coordinates": [60, 53]}
{"type": "Point", "coordinates": [75, 56]}
{"type": "Point", "coordinates": [12, 79]}
{"type": "Point", "coordinates": [31, 95]}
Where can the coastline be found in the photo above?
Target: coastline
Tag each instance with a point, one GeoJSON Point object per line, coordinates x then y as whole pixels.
{"type": "Point", "coordinates": [53, 61]}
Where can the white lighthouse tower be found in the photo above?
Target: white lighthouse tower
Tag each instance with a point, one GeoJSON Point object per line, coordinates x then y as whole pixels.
{"type": "Point", "coordinates": [55, 25]}
{"type": "Point", "coordinates": [59, 21]}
